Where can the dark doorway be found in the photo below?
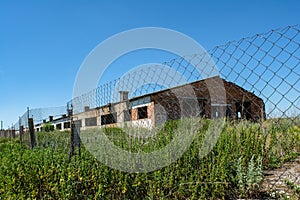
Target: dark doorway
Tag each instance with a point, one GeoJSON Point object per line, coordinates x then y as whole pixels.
{"type": "Point", "coordinates": [243, 110]}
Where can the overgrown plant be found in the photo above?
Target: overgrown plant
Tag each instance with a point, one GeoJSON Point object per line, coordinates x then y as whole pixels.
{"type": "Point", "coordinates": [48, 127]}
{"type": "Point", "coordinates": [249, 177]}
{"type": "Point", "coordinates": [232, 169]}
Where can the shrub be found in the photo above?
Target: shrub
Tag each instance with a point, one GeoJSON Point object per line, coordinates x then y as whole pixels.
{"type": "Point", "coordinates": [233, 169]}
{"type": "Point", "coordinates": [48, 127]}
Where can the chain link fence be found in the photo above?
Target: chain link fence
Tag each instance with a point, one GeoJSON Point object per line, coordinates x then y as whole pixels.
{"type": "Point", "coordinates": [260, 78]}
{"type": "Point", "coordinates": [266, 65]}
{"type": "Point", "coordinates": [39, 115]}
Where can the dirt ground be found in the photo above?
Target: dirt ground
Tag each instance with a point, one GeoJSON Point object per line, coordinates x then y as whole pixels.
{"type": "Point", "coordinates": [275, 181]}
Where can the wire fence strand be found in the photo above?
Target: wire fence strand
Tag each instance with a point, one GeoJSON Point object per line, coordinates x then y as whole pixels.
{"type": "Point", "coordinates": [261, 77]}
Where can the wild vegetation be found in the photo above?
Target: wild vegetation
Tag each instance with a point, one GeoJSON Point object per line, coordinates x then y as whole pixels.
{"type": "Point", "coordinates": [233, 169]}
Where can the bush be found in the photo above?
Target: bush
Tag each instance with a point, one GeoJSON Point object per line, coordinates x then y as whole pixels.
{"type": "Point", "coordinates": [231, 170]}
{"type": "Point", "coordinates": [48, 127]}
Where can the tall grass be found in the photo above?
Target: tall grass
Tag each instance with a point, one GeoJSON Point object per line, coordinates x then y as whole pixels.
{"type": "Point", "coordinates": [233, 169]}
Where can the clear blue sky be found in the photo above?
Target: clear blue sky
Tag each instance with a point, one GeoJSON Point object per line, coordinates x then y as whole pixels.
{"type": "Point", "coordinates": [43, 43]}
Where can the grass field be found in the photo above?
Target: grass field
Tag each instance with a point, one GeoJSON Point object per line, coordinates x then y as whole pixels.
{"type": "Point", "coordinates": [233, 169]}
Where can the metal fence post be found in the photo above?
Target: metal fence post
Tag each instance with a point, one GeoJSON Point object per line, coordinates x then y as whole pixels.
{"type": "Point", "coordinates": [72, 146]}
{"type": "Point", "coordinates": [20, 129]}
{"type": "Point", "coordinates": [31, 132]}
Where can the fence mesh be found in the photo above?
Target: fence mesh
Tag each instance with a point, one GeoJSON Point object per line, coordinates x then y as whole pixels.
{"type": "Point", "coordinates": [261, 68]}
{"type": "Point", "coordinates": [261, 80]}
{"type": "Point", "coordinates": [265, 64]}
{"type": "Point", "coordinates": [39, 115]}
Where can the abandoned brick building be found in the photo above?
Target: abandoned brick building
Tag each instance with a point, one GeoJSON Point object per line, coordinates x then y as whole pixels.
{"type": "Point", "coordinates": [209, 98]}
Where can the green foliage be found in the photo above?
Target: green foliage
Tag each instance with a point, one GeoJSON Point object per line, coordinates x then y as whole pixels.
{"type": "Point", "coordinates": [249, 177]}
{"type": "Point", "coordinates": [233, 169]}
{"type": "Point", "coordinates": [47, 127]}
{"type": "Point", "coordinates": [294, 187]}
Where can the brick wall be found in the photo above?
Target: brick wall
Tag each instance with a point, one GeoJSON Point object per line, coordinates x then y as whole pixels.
{"type": "Point", "coordinates": [219, 92]}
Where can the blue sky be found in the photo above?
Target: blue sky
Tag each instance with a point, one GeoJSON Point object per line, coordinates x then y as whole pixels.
{"type": "Point", "coordinates": [43, 43]}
